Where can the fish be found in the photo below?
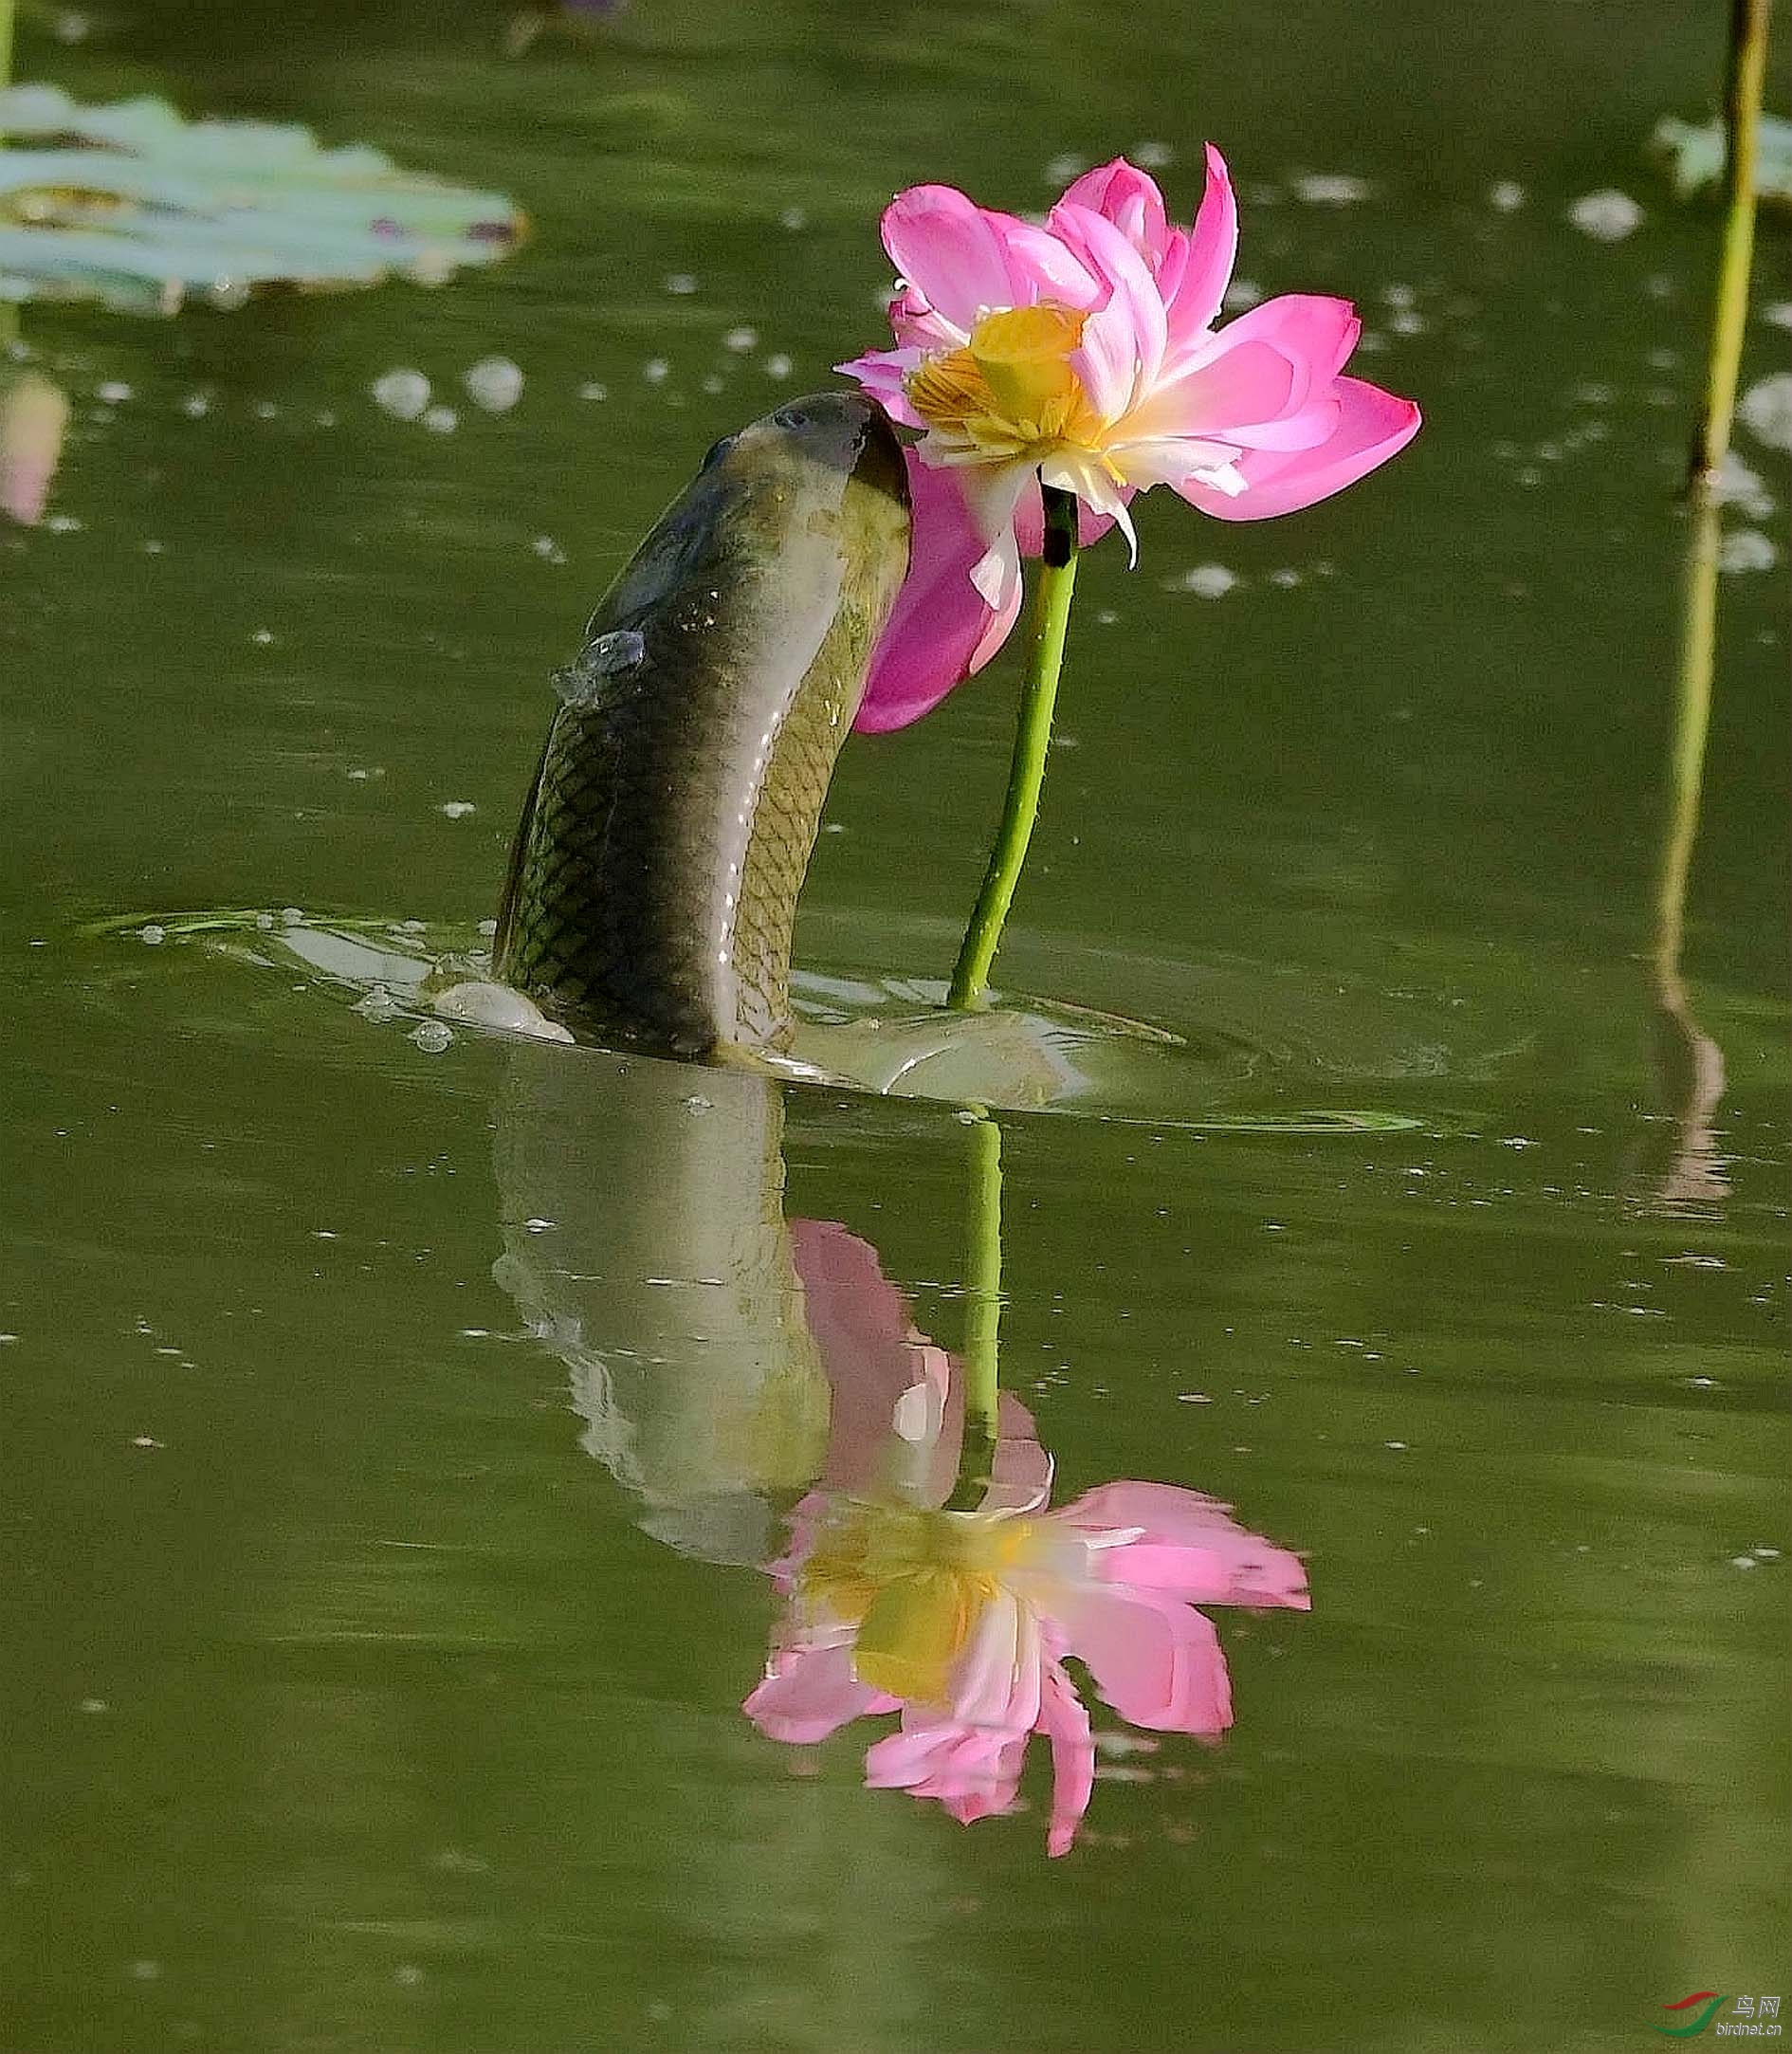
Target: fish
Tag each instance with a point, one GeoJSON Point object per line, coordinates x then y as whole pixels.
{"type": "Point", "coordinates": [653, 880]}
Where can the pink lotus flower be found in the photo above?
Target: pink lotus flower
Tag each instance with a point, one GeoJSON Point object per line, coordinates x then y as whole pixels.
{"type": "Point", "coordinates": [1084, 351]}
{"type": "Point", "coordinates": [961, 1620]}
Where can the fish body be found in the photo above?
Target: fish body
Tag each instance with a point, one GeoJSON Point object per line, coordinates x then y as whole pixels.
{"type": "Point", "coordinates": [654, 878]}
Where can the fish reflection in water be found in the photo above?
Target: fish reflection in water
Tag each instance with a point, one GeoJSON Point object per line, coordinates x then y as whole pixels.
{"type": "Point", "coordinates": [726, 1360]}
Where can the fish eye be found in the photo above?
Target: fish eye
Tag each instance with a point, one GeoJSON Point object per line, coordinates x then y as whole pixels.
{"type": "Point", "coordinates": [718, 451]}
{"type": "Point", "coordinates": [790, 417]}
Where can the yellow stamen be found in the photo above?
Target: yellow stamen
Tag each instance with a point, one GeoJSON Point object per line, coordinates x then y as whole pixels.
{"type": "Point", "coordinates": [1010, 391]}
{"type": "Point", "coordinates": [915, 1583]}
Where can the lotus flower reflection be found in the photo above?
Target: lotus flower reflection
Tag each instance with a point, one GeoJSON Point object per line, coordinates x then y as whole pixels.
{"type": "Point", "coordinates": [1083, 352]}
{"type": "Point", "coordinates": [962, 1620]}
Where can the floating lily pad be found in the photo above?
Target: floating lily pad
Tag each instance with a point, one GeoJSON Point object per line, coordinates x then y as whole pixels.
{"type": "Point", "coordinates": [1695, 154]}
{"type": "Point", "coordinates": [135, 206]}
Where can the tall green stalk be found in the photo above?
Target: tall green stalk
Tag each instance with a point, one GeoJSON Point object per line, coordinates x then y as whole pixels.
{"type": "Point", "coordinates": [983, 1313]}
{"type": "Point", "coordinates": [1692, 1064]}
{"type": "Point", "coordinates": [1026, 772]}
{"type": "Point", "coordinates": [1743, 86]}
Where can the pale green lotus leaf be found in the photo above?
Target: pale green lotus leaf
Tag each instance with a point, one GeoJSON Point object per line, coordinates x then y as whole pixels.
{"type": "Point", "coordinates": [1695, 152]}
{"type": "Point", "coordinates": [133, 205]}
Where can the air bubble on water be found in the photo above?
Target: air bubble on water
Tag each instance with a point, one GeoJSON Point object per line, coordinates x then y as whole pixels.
{"type": "Point", "coordinates": [794, 218]}
{"type": "Point", "coordinates": [456, 809]}
{"type": "Point", "coordinates": [65, 524]}
{"type": "Point", "coordinates": [593, 389]}
{"type": "Point", "coordinates": [152, 933]}
{"type": "Point", "coordinates": [776, 365]}
{"type": "Point", "coordinates": [538, 1226]}
{"type": "Point", "coordinates": [407, 1973]}
{"type": "Point", "coordinates": [548, 549]}
{"type": "Point", "coordinates": [1398, 1447]}
{"type": "Point", "coordinates": [738, 340]}
{"type": "Point", "coordinates": [145, 1972]}
{"type": "Point", "coordinates": [1506, 195]}
{"type": "Point", "coordinates": [1064, 167]}
{"type": "Point", "coordinates": [494, 383]}
{"type": "Point", "coordinates": [1608, 215]}
{"type": "Point", "coordinates": [440, 420]}
{"type": "Point", "coordinates": [1744, 1562]}
{"type": "Point", "coordinates": [261, 637]}
{"type": "Point", "coordinates": [401, 393]}
{"type": "Point", "coordinates": [1766, 409]}
{"type": "Point", "coordinates": [1404, 321]}
{"type": "Point", "coordinates": [712, 384]}
{"type": "Point", "coordinates": [431, 1036]}
{"type": "Point", "coordinates": [1331, 189]}
{"type": "Point", "coordinates": [482, 1004]}
{"type": "Point", "coordinates": [151, 547]}
{"type": "Point", "coordinates": [488, 928]}
{"type": "Point", "coordinates": [1241, 293]}
{"type": "Point", "coordinates": [1153, 156]}
{"type": "Point", "coordinates": [264, 409]}
{"type": "Point", "coordinates": [145, 1440]}
{"type": "Point", "coordinates": [377, 1005]}
{"type": "Point", "coordinates": [114, 392]}
{"type": "Point", "coordinates": [1777, 314]}
{"type": "Point", "coordinates": [94, 1706]}
{"type": "Point", "coordinates": [1747, 549]}
{"type": "Point", "coordinates": [1206, 582]}
{"type": "Point", "coordinates": [325, 419]}
{"type": "Point", "coordinates": [196, 405]}
{"type": "Point", "coordinates": [681, 285]}
{"type": "Point", "coordinates": [1287, 579]}
{"type": "Point", "coordinates": [697, 1103]}
{"type": "Point", "coordinates": [656, 370]}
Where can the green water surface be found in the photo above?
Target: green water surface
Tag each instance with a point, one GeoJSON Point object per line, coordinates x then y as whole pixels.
{"type": "Point", "coordinates": [348, 1708]}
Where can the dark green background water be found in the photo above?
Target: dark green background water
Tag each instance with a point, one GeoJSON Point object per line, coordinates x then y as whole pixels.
{"type": "Point", "coordinates": [355, 1713]}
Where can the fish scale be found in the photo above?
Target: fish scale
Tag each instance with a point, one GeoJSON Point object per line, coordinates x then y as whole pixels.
{"type": "Point", "coordinates": [654, 878]}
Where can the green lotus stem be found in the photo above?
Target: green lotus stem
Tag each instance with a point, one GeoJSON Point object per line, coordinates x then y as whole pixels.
{"type": "Point", "coordinates": [1686, 752]}
{"type": "Point", "coordinates": [983, 1312]}
{"type": "Point", "coordinates": [1742, 113]}
{"type": "Point", "coordinates": [1026, 773]}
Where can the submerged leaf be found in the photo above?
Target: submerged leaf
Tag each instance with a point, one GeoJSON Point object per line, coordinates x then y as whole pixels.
{"type": "Point", "coordinates": [135, 206]}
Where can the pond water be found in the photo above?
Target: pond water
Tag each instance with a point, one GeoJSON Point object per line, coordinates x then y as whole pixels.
{"type": "Point", "coordinates": [395, 1433]}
